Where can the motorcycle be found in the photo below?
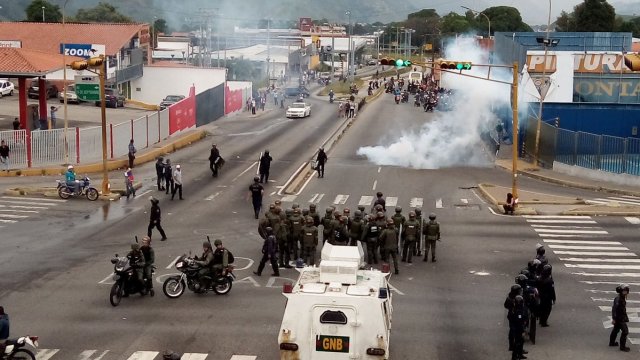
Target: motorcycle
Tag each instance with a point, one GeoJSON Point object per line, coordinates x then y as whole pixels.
{"type": "Point", "coordinates": [125, 281]}
{"type": "Point", "coordinates": [190, 278]}
{"type": "Point", "coordinates": [405, 97]}
{"type": "Point", "coordinates": [397, 99]}
{"type": "Point", "coordinates": [15, 349]}
{"type": "Point", "coordinates": [330, 98]}
{"type": "Point", "coordinates": [65, 191]}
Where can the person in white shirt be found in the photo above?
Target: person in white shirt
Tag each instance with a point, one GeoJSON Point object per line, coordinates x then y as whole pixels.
{"type": "Point", "coordinates": [177, 182]}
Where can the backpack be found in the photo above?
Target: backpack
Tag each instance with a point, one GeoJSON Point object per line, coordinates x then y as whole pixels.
{"type": "Point", "coordinates": [230, 257]}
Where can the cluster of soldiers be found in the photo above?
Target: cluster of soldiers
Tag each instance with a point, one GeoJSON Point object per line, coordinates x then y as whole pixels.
{"type": "Point", "coordinates": [295, 233]}
{"type": "Point", "coordinates": [529, 300]}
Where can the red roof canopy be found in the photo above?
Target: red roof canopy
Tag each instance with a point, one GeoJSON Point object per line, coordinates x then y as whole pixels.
{"type": "Point", "coordinates": [30, 63]}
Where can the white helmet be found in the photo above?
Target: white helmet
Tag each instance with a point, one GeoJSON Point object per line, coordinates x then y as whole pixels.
{"type": "Point", "coordinates": [69, 167]}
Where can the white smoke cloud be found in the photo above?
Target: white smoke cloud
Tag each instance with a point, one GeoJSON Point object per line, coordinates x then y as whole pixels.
{"type": "Point", "coordinates": [451, 138]}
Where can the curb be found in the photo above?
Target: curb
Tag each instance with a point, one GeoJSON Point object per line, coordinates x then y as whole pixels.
{"type": "Point", "coordinates": [148, 156]}
{"type": "Point", "coordinates": [143, 105]}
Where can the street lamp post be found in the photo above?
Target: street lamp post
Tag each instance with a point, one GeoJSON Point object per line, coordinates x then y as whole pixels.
{"type": "Point", "coordinates": [481, 13]}
{"type": "Point", "coordinates": [43, 13]}
{"type": "Point", "coordinates": [349, 60]}
{"type": "Point", "coordinates": [64, 84]}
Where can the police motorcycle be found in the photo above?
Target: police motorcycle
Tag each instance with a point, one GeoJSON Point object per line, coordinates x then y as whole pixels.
{"type": "Point", "coordinates": [17, 348]}
{"type": "Point", "coordinates": [65, 191]}
{"type": "Point", "coordinates": [331, 97]}
{"type": "Point", "coordinates": [126, 281]}
{"type": "Point", "coordinates": [220, 283]}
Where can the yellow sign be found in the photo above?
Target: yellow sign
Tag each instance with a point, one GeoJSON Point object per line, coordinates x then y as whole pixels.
{"type": "Point", "coordinates": [427, 46]}
{"type": "Point", "coordinates": [585, 63]}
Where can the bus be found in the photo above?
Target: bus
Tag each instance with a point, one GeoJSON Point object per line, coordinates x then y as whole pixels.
{"type": "Point", "coordinates": [415, 76]}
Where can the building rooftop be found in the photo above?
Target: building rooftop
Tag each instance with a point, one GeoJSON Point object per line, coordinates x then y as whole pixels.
{"type": "Point", "coordinates": [29, 63]}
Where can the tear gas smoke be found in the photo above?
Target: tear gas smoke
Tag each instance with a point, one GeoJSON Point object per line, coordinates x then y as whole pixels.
{"type": "Point", "coordinates": [451, 138]}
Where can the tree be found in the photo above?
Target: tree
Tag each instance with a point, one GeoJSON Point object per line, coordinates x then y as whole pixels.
{"type": "Point", "coordinates": [454, 23]}
{"type": "Point", "coordinates": [101, 13]}
{"type": "Point", "coordinates": [503, 18]}
{"type": "Point", "coordinates": [160, 26]}
{"type": "Point", "coordinates": [595, 15]}
{"type": "Point", "coordinates": [566, 22]}
{"type": "Point", "coordinates": [52, 12]}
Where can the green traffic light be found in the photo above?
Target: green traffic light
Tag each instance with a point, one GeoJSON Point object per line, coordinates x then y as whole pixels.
{"type": "Point", "coordinates": [399, 62]}
{"type": "Point", "coordinates": [407, 63]}
{"type": "Point", "coordinates": [459, 66]}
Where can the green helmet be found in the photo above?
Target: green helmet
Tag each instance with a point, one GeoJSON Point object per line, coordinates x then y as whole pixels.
{"type": "Point", "coordinates": [398, 209]}
{"type": "Point", "coordinates": [206, 244]}
{"type": "Point", "coordinates": [217, 242]}
{"type": "Point", "coordinates": [135, 247]}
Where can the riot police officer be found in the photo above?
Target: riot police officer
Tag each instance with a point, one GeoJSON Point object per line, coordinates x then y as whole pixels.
{"type": "Point", "coordinates": [327, 224]}
{"type": "Point", "coordinates": [309, 241]}
{"type": "Point", "coordinates": [431, 231]}
{"type": "Point", "coordinates": [356, 228]}
{"type": "Point", "coordinates": [418, 249]}
{"type": "Point", "coordinates": [389, 242]}
{"type": "Point", "coordinates": [314, 214]}
{"type": "Point", "coordinates": [410, 231]}
{"type": "Point", "coordinates": [370, 236]}
{"type": "Point", "coordinates": [297, 222]}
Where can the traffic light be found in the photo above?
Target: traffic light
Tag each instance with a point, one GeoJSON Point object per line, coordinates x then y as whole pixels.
{"type": "Point", "coordinates": [403, 63]}
{"type": "Point", "coordinates": [79, 65]}
{"type": "Point", "coordinates": [96, 61]}
{"type": "Point", "coordinates": [455, 65]}
{"type": "Point", "coordinates": [85, 64]}
{"type": "Point", "coordinates": [385, 61]}
{"type": "Point", "coordinates": [395, 62]}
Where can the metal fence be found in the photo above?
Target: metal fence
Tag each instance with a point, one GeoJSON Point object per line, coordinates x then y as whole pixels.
{"type": "Point", "coordinates": [598, 152]}
{"type": "Point", "coordinates": [84, 145]}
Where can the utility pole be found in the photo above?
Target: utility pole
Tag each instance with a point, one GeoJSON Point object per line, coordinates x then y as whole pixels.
{"type": "Point", "coordinates": [348, 13]}
{"type": "Point", "coordinates": [268, 48]}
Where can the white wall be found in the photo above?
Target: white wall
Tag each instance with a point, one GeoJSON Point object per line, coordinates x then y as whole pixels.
{"type": "Point", "coordinates": [159, 82]}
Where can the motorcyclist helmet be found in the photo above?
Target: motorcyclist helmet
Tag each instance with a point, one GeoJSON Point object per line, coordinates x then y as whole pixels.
{"type": "Point", "coordinates": [398, 209]}
{"type": "Point", "coordinates": [217, 242]}
{"type": "Point", "coordinates": [206, 244]}
{"type": "Point", "coordinates": [432, 216]}
{"type": "Point", "coordinates": [516, 289]}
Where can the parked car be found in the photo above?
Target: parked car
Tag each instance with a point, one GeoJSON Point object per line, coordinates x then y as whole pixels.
{"type": "Point", "coordinates": [72, 97]}
{"type": "Point", "coordinates": [170, 100]}
{"type": "Point", "coordinates": [113, 98]}
{"type": "Point", "coordinates": [372, 62]}
{"type": "Point", "coordinates": [6, 88]}
{"type": "Point", "coordinates": [298, 109]}
{"type": "Point", "coordinates": [34, 89]}
{"type": "Point", "coordinates": [296, 92]}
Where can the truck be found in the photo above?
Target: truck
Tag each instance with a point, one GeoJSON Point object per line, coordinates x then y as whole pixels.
{"type": "Point", "coordinates": [339, 310]}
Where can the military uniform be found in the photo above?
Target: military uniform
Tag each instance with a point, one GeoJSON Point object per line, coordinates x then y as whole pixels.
{"type": "Point", "coordinates": [371, 236]}
{"type": "Point", "coordinates": [398, 222]}
{"type": "Point", "coordinates": [389, 242]}
{"type": "Point", "coordinates": [431, 232]}
{"type": "Point", "coordinates": [410, 232]}
{"type": "Point", "coordinates": [297, 223]}
{"type": "Point", "coordinates": [340, 234]}
{"type": "Point", "coordinates": [327, 226]}
{"type": "Point", "coordinates": [309, 242]}
{"type": "Point", "coordinates": [314, 214]}
{"type": "Point", "coordinates": [356, 229]}
{"type": "Point", "coordinates": [417, 251]}
{"type": "Point", "coordinates": [149, 260]}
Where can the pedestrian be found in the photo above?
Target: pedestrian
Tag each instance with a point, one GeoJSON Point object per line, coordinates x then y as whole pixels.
{"type": "Point", "coordinates": [275, 98]}
{"type": "Point", "coordinates": [619, 318]}
{"type": "Point", "coordinates": [352, 109]}
{"type": "Point", "coordinates": [132, 153]}
{"type": "Point", "coordinates": [256, 191]}
{"type": "Point", "coordinates": [510, 204]}
{"type": "Point", "coordinates": [431, 232]}
{"type": "Point", "coordinates": [389, 242]}
{"type": "Point", "coordinates": [16, 124]}
{"type": "Point", "coordinates": [321, 159]}
{"type": "Point", "coordinates": [160, 173]}
{"type": "Point", "coordinates": [214, 157]}
{"type": "Point", "coordinates": [128, 183]}
{"type": "Point", "coordinates": [282, 102]}
{"type": "Point", "coordinates": [4, 329]}
{"type": "Point", "coordinates": [248, 104]}
{"type": "Point", "coordinates": [346, 109]}
{"type": "Point", "coordinates": [263, 101]}
{"type": "Point", "coordinates": [177, 182]}
{"type": "Point", "coordinates": [265, 165]}
{"type": "Point", "coordinates": [546, 288]}
{"type": "Point", "coordinates": [379, 201]}
{"type": "Point", "coordinates": [4, 155]}
{"type": "Point", "coordinates": [253, 106]}
{"type": "Point", "coordinates": [154, 218]}
{"type": "Point", "coordinates": [269, 253]}
{"type": "Point", "coordinates": [168, 176]}
{"type": "Point", "coordinates": [54, 111]}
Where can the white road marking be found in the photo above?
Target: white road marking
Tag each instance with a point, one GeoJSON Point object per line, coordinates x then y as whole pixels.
{"type": "Point", "coordinates": [580, 236]}
{"type": "Point", "coordinates": [242, 173]}
{"type": "Point", "coordinates": [566, 217]}
{"type": "Point", "coordinates": [391, 201]}
{"type": "Point", "coordinates": [213, 196]}
{"type": "Point", "coordinates": [601, 260]}
{"type": "Point", "coordinates": [46, 354]}
{"type": "Point", "coordinates": [549, 221]}
{"type": "Point", "coordinates": [273, 193]}
{"type": "Point", "coordinates": [561, 231]}
{"type": "Point", "coordinates": [464, 201]}
{"type": "Point", "coordinates": [139, 196]}
{"type": "Point", "coordinates": [243, 357]}
{"type": "Point", "coordinates": [594, 253]}
{"type": "Point", "coordinates": [313, 198]}
{"type": "Point", "coordinates": [11, 216]}
{"type": "Point", "coordinates": [143, 355]}
{"type": "Point", "coordinates": [104, 281]}
{"type": "Point", "coordinates": [193, 356]}
{"type": "Point", "coordinates": [439, 204]}
{"type": "Point", "coordinates": [88, 355]}
{"type": "Point", "coordinates": [618, 275]}
{"type": "Point", "coordinates": [610, 300]}
{"type": "Point", "coordinates": [613, 199]}
{"type": "Point", "coordinates": [582, 242]}
{"type": "Point", "coordinates": [629, 310]}
{"type": "Point", "coordinates": [172, 263]}
{"type": "Point", "coordinates": [415, 202]}
{"type": "Point", "coordinates": [375, 183]}
{"type": "Point", "coordinates": [633, 220]}
{"type": "Point", "coordinates": [365, 200]}
{"type": "Point", "coordinates": [34, 199]}
{"type": "Point", "coordinates": [607, 283]}
{"type": "Point", "coordinates": [594, 291]}
{"type": "Point", "coordinates": [26, 202]}
{"type": "Point", "coordinates": [379, 168]}
{"type": "Point", "coordinates": [340, 199]}
{"type": "Point", "coordinates": [23, 207]}
{"type": "Point", "coordinates": [8, 221]}
{"type": "Point", "coordinates": [20, 211]}
{"type": "Point", "coordinates": [571, 247]}
{"type": "Point", "coordinates": [563, 227]}
{"type": "Point", "coordinates": [603, 266]}
{"type": "Point", "coordinates": [288, 198]}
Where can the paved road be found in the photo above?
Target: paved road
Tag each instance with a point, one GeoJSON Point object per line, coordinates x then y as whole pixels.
{"type": "Point", "coordinates": [80, 115]}
{"type": "Point", "coordinates": [451, 309]}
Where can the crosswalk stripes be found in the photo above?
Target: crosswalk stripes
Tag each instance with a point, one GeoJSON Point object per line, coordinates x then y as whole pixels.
{"type": "Point", "coordinates": [600, 263]}
{"type": "Point", "coordinates": [16, 208]}
{"type": "Point", "coordinates": [612, 200]}
{"type": "Point", "coordinates": [633, 220]}
{"type": "Point", "coordinates": [57, 354]}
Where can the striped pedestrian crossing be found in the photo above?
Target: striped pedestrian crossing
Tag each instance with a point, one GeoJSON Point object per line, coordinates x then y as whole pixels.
{"type": "Point", "coordinates": [59, 354]}
{"type": "Point", "coordinates": [16, 208]}
{"type": "Point", "coordinates": [615, 200]}
{"type": "Point", "coordinates": [600, 262]}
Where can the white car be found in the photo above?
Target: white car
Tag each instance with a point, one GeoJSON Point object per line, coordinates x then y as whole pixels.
{"type": "Point", "coordinates": [6, 88]}
{"type": "Point", "coordinates": [72, 97]}
{"type": "Point", "coordinates": [298, 109]}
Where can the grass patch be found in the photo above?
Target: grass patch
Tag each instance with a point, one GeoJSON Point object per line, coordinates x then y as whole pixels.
{"type": "Point", "coordinates": [340, 87]}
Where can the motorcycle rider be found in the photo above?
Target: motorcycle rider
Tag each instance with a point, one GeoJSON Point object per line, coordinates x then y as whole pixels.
{"type": "Point", "coordinates": [220, 258]}
{"type": "Point", "coordinates": [137, 262]}
{"type": "Point", "coordinates": [331, 96]}
{"type": "Point", "coordinates": [70, 178]}
{"type": "Point", "coordinates": [206, 260]}
{"type": "Point", "coordinates": [149, 260]}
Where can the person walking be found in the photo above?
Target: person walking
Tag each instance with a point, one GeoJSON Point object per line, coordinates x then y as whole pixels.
{"type": "Point", "coordinates": [155, 215]}
{"type": "Point", "coordinates": [168, 176]}
{"type": "Point", "coordinates": [54, 116]}
{"type": "Point", "coordinates": [160, 173]}
{"type": "Point", "coordinates": [265, 165]}
{"type": "Point", "coordinates": [177, 182]}
{"type": "Point", "coordinates": [132, 153]}
{"type": "Point", "coordinates": [256, 191]}
{"type": "Point", "coordinates": [128, 182]}
{"type": "Point", "coordinates": [619, 318]}
{"type": "Point", "coordinates": [213, 160]}
{"type": "Point", "coordinates": [269, 253]}
{"type": "Point", "coordinates": [321, 159]}
{"type": "Point", "coordinates": [253, 106]}
{"type": "Point", "coordinates": [16, 124]}
{"type": "Point", "coordinates": [4, 155]}
{"type": "Point", "coordinates": [389, 241]}
{"type": "Point", "coordinates": [431, 232]}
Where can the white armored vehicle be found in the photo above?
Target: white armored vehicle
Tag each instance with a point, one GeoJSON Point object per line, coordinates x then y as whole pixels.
{"type": "Point", "coordinates": [337, 311]}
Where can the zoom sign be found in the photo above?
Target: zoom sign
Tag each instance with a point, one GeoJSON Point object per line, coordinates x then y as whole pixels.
{"type": "Point", "coordinates": [82, 50]}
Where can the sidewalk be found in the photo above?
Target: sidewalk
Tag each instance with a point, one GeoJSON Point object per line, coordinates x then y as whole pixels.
{"type": "Point", "coordinates": [531, 203]}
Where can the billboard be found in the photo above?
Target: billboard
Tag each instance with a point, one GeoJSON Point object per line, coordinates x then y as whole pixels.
{"type": "Point", "coordinates": [10, 44]}
{"type": "Point", "coordinates": [83, 50]}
